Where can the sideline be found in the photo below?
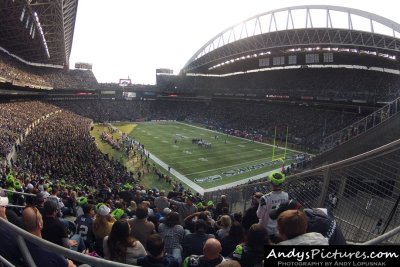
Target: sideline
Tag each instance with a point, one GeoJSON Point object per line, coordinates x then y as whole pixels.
{"type": "Point", "coordinates": [202, 190]}
{"type": "Point", "coordinates": [197, 187]}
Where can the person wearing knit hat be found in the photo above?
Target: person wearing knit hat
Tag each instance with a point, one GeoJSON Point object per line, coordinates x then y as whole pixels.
{"type": "Point", "coordinates": [98, 205]}
{"type": "Point", "coordinates": [82, 201]}
{"type": "Point", "coordinates": [269, 201]}
{"type": "Point", "coordinates": [200, 206]}
{"type": "Point", "coordinates": [117, 213]}
{"type": "Point", "coordinates": [17, 185]}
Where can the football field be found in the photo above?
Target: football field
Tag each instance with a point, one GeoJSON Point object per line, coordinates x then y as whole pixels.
{"type": "Point", "coordinates": [219, 159]}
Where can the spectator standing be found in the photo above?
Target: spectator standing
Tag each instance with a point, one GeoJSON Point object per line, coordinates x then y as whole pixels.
{"type": "Point", "coordinates": [269, 202]}
{"type": "Point", "coordinates": [224, 223]}
{"type": "Point", "coordinates": [172, 233]}
{"type": "Point", "coordinates": [141, 228]}
{"type": "Point", "coordinates": [161, 202]}
{"type": "Point", "coordinates": [234, 238]}
{"type": "Point", "coordinates": [250, 215]}
{"type": "Point", "coordinates": [220, 205]}
{"type": "Point", "coordinates": [184, 208]}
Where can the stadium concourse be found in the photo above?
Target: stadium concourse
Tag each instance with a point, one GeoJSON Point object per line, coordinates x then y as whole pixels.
{"type": "Point", "coordinates": [57, 185]}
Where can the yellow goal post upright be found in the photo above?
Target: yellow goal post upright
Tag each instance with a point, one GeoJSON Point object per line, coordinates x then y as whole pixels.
{"type": "Point", "coordinates": [279, 156]}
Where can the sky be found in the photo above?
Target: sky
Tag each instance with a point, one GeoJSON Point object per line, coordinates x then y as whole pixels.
{"type": "Point", "coordinates": [132, 38]}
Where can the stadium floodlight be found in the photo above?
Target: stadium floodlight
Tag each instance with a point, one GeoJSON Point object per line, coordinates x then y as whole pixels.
{"type": "Point", "coordinates": [35, 15]}
{"type": "Point", "coordinates": [22, 15]}
{"type": "Point", "coordinates": [27, 22]}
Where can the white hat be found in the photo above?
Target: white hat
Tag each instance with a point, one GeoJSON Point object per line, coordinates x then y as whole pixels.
{"type": "Point", "coordinates": [166, 211]}
{"type": "Point", "coordinates": [29, 186]}
{"type": "Point", "coordinates": [3, 201]}
{"type": "Point", "coordinates": [103, 210]}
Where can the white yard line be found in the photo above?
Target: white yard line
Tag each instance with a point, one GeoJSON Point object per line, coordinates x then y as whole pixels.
{"type": "Point", "coordinates": [243, 181]}
{"type": "Point", "coordinates": [200, 189]}
{"type": "Point", "coordinates": [237, 137]}
{"type": "Point", "coordinates": [228, 166]}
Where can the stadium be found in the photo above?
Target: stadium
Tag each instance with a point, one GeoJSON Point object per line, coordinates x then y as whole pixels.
{"type": "Point", "coordinates": [309, 93]}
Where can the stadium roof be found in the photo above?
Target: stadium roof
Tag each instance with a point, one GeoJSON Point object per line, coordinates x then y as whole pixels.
{"type": "Point", "coordinates": [299, 26]}
{"type": "Point", "coordinates": [38, 31]}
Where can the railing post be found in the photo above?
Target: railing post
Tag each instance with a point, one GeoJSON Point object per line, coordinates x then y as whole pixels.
{"type": "Point", "coordinates": [25, 251]}
{"type": "Point", "coordinates": [324, 191]}
{"type": "Point", "coordinates": [5, 262]}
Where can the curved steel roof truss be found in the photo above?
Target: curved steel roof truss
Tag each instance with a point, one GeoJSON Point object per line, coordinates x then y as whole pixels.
{"type": "Point", "coordinates": [45, 40]}
{"type": "Point", "coordinates": [300, 38]}
{"type": "Point", "coordinates": [343, 26]}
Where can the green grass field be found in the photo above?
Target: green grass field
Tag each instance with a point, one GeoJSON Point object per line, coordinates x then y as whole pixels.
{"type": "Point", "coordinates": [229, 159]}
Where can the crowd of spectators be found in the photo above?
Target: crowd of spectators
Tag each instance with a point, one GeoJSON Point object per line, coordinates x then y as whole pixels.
{"type": "Point", "coordinates": [15, 118]}
{"type": "Point", "coordinates": [257, 121]}
{"type": "Point", "coordinates": [63, 149]}
{"type": "Point", "coordinates": [332, 83]}
{"type": "Point", "coordinates": [131, 226]}
{"type": "Point", "coordinates": [22, 74]}
{"type": "Point", "coordinates": [116, 217]}
{"type": "Point", "coordinates": [18, 72]}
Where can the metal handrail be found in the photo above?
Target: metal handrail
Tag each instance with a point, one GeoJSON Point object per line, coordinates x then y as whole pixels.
{"type": "Point", "coordinates": [76, 256]}
{"type": "Point", "coordinates": [6, 262]}
{"type": "Point", "coordinates": [387, 106]}
{"type": "Point", "coordinates": [16, 192]}
{"type": "Point", "coordinates": [378, 240]}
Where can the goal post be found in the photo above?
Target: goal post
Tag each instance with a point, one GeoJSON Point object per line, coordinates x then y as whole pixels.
{"type": "Point", "coordinates": [276, 152]}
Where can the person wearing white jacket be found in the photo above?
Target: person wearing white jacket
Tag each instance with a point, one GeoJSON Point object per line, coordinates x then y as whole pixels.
{"type": "Point", "coordinates": [271, 201]}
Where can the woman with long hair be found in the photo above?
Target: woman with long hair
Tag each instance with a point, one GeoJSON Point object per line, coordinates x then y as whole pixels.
{"type": "Point", "coordinates": [120, 246]}
{"type": "Point", "coordinates": [103, 222]}
{"type": "Point", "coordinates": [102, 226]}
{"type": "Point", "coordinates": [235, 237]}
{"type": "Point", "coordinates": [224, 224]}
{"type": "Point", "coordinates": [251, 252]}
